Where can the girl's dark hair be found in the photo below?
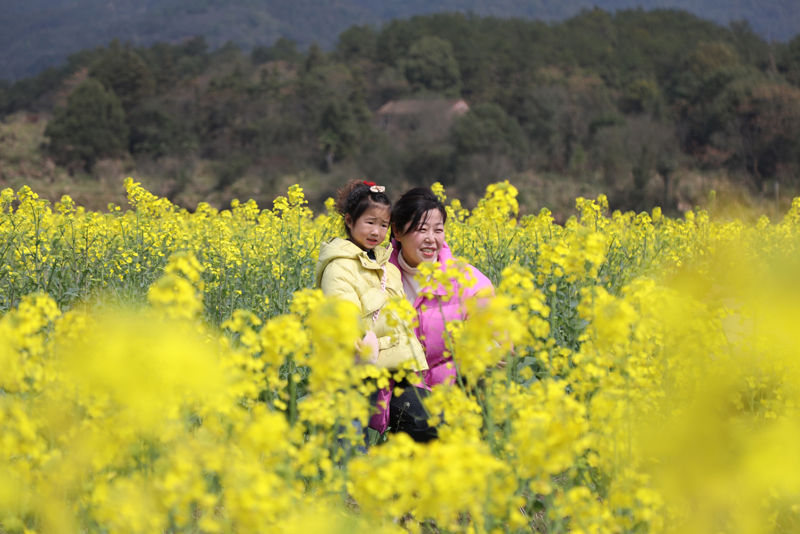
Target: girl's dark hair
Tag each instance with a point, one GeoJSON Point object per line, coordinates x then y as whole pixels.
{"type": "Point", "coordinates": [355, 198]}
{"type": "Point", "coordinates": [410, 209]}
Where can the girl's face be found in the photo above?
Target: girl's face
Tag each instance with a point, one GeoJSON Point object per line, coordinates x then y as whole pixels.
{"type": "Point", "coordinates": [369, 230]}
{"type": "Point", "coordinates": [424, 242]}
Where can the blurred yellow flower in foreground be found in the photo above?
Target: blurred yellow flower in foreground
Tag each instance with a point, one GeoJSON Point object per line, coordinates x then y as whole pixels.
{"type": "Point", "coordinates": [167, 371]}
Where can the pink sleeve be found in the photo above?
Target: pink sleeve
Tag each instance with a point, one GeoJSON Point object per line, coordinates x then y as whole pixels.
{"type": "Point", "coordinates": [483, 288]}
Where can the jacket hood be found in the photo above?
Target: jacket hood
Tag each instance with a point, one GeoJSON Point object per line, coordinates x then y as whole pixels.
{"type": "Point", "coordinates": [342, 248]}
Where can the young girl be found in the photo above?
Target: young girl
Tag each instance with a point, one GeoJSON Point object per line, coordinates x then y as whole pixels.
{"type": "Point", "coordinates": [357, 269]}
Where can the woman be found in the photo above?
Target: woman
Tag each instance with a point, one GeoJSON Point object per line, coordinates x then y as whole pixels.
{"type": "Point", "coordinates": [418, 220]}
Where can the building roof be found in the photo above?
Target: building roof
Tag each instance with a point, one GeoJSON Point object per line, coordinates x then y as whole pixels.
{"type": "Point", "coordinates": [423, 107]}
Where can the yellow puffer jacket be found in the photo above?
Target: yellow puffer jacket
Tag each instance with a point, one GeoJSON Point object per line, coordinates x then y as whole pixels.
{"type": "Point", "coordinates": [346, 272]}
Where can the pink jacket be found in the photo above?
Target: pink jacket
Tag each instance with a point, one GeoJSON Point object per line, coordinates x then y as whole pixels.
{"type": "Point", "coordinates": [433, 314]}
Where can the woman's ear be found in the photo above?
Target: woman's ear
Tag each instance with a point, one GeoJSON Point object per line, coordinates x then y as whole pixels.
{"type": "Point", "coordinates": [395, 233]}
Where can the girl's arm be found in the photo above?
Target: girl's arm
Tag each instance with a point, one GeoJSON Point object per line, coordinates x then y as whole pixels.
{"type": "Point", "coordinates": [337, 282]}
{"type": "Point", "coordinates": [340, 283]}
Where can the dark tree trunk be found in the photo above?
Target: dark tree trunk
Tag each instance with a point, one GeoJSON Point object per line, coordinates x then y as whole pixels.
{"type": "Point", "coordinates": [329, 159]}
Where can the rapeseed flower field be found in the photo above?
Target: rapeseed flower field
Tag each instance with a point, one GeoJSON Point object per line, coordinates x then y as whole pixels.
{"type": "Point", "coordinates": [167, 371]}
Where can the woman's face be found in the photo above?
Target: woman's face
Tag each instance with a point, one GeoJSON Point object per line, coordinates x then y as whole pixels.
{"type": "Point", "coordinates": [424, 242]}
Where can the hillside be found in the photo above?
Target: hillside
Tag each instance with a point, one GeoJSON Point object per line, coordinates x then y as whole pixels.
{"type": "Point", "coordinates": [634, 104]}
{"type": "Point", "coordinates": [41, 33]}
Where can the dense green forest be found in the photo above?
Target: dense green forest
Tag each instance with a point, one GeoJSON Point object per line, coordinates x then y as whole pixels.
{"type": "Point", "coordinates": [36, 34]}
{"type": "Point", "coordinates": [624, 99]}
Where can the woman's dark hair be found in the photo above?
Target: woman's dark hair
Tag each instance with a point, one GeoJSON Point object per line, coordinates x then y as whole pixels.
{"type": "Point", "coordinates": [410, 209]}
{"type": "Point", "coordinates": [356, 197]}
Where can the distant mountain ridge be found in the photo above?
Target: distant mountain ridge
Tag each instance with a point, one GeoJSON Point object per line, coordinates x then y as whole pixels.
{"type": "Point", "coordinates": [39, 33]}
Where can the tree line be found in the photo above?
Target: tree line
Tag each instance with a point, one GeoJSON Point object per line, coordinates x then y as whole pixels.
{"type": "Point", "coordinates": [626, 96]}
